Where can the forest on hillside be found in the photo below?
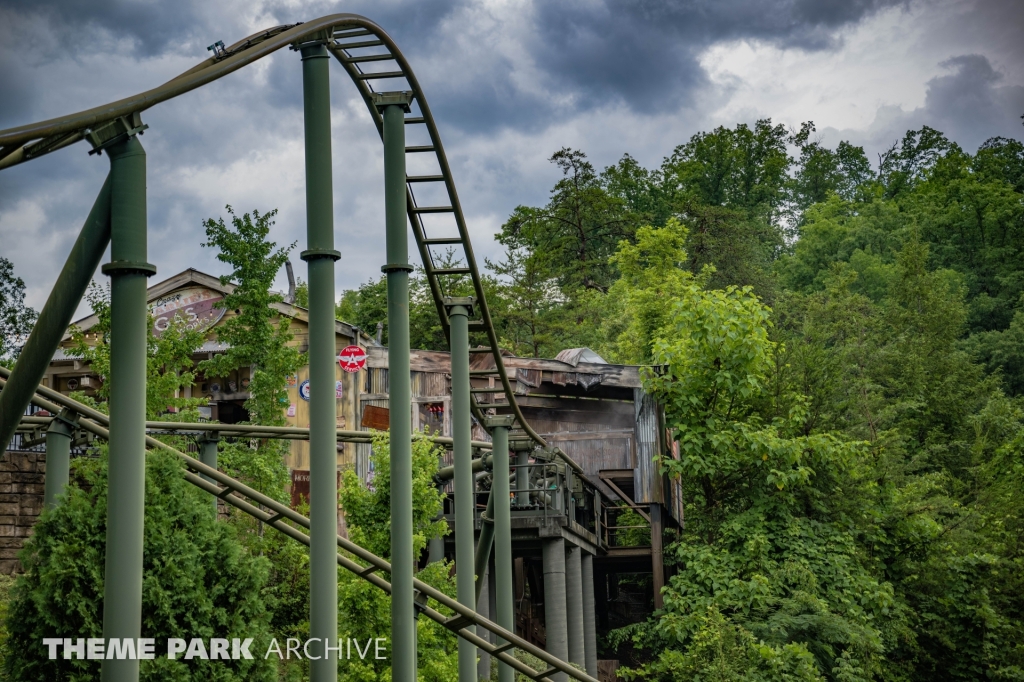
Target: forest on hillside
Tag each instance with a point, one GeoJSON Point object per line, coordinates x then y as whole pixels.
{"type": "Point", "coordinates": [843, 343]}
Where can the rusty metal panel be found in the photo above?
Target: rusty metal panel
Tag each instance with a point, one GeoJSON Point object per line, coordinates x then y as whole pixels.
{"type": "Point", "coordinates": [363, 449]}
{"type": "Point", "coordinates": [646, 479]}
{"type": "Point", "coordinates": [527, 379]}
{"type": "Point", "coordinates": [375, 417]}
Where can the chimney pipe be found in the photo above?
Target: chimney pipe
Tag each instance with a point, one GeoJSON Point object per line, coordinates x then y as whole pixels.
{"type": "Point", "coordinates": [290, 298]}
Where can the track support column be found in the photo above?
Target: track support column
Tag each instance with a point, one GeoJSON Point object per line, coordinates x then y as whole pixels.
{"type": "Point", "coordinates": [554, 601]}
{"type": "Point", "coordinates": [657, 555]}
{"type": "Point", "coordinates": [208, 456]}
{"type": "Point", "coordinates": [56, 315]}
{"type": "Point", "coordinates": [574, 604]}
{"type": "Point", "coordinates": [393, 106]}
{"type": "Point", "coordinates": [459, 310]}
{"type": "Point", "coordinates": [126, 478]}
{"type": "Point", "coordinates": [589, 622]}
{"type": "Point", "coordinates": [523, 478]}
{"type": "Point", "coordinates": [58, 458]}
{"type": "Point", "coordinates": [504, 598]}
{"type": "Point", "coordinates": [323, 455]}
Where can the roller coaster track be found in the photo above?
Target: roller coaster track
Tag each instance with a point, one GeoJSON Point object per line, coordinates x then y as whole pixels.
{"type": "Point", "coordinates": [291, 523]}
{"type": "Point", "coordinates": [361, 46]}
{"type": "Point", "coordinates": [358, 44]}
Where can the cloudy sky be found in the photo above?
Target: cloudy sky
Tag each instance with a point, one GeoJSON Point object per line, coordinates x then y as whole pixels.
{"type": "Point", "coordinates": [510, 81]}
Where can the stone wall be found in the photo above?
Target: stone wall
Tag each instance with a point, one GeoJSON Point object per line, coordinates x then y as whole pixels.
{"type": "Point", "coordinates": [21, 501]}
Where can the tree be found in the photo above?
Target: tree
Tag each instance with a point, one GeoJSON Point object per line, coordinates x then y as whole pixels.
{"type": "Point", "coordinates": [641, 190]}
{"type": "Point", "coordinates": [766, 561]}
{"type": "Point", "coordinates": [364, 610]}
{"type": "Point", "coordinates": [730, 188]}
{"type": "Point", "coordinates": [573, 236]}
{"type": "Point", "coordinates": [907, 162]}
{"type": "Point", "coordinates": [255, 340]}
{"type": "Point", "coordinates": [653, 273]}
{"type": "Point", "coordinates": [742, 168]}
{"type": "Point", "coordinates": [198, 580]}
{"type": "Point", "coordinates": [528, 307]}
{"type": "Point", "coordinates": [16, 319]}
{"type": "Point", "coordinates": [821, 171]}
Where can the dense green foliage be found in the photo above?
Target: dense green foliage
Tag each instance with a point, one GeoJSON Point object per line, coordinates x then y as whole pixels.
{"type": "Point", "coordinates": [16, 318]}
{"type": "Point", "coordinates": [363, 610]}
{"type": "Point", "coordinates": [842, 364]}
{"type": "Point", "coordinates": [199, 582]}
{"type": "Point", "coordinates": [260, 339]}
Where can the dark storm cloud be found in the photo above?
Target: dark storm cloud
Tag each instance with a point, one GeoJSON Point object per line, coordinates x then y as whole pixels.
{"type": "Point", "coordinates": [645, 53]}
{"type": "Point", "coordinates": [508, 83]}
{"type": "Point", "coordinates": [641, 54]}
{"type": "Point", "coordinates": [969, 103]}
{"type": "Point", "coordinates": [152, 26]}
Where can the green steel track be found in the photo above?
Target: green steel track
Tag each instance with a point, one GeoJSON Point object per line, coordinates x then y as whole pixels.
{"type": "Point", "coordinates": [358, 44]}
{"type": "Point", "coordinates": [281, 517]}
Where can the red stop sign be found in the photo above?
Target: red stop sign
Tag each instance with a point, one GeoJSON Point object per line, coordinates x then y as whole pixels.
{"type": "Point", "coordinates": [352, 358]}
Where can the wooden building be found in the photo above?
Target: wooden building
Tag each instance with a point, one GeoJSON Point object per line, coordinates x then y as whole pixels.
{"type": "Point", "coordinates": [194, 295]}
{"type": "Point", "coordinates": [598, 415]}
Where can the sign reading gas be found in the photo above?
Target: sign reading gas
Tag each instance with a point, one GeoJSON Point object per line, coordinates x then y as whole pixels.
{"type": "Point", "coordinates": [195, 305]}
{"type": "Point", "coordinates": [352, 358]}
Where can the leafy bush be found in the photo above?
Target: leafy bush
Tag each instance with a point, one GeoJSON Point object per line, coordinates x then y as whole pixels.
{"type": "Point", "coordinates": [364, 610]}
{"type": "Point", "coordinates": [198, 581]}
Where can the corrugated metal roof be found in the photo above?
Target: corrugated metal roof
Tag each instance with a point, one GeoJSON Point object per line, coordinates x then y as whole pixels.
{"type": "Point", "coordinates": [62, 354]}
{"type": "Point", "coordinates": [575, 356]}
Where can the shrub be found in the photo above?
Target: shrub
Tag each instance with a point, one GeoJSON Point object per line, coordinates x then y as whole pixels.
{"type": "Point", "coordinates": [197, 581]}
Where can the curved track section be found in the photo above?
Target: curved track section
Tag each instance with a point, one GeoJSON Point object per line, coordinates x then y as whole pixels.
{"type": "Point", "coordinates": [352, 557]}
{"type": "Point", "coordinates": [370, 57]}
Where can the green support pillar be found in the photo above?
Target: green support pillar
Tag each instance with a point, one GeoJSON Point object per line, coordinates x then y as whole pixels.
{"type": "Point", "coordinates": [323, 454]}
{"type": "Point", "coordinates": [393, 106]}
{"type": "Point", "coordinates": [589, 622]}
{"type": "Point", "coordinates": [484, 543]}
{"type": "Point", "coordinates": [56, 315]}
{"type": "Point", "coordinates": [574, 604]}
{"type": "Point", "coordinates": [523, 479]}
{"type": "Point", "coordinates": [58, 458]}
{"type": "Point", "coordinates": [459, 310]}
{"type": "Point", "coordinates": [128, 270]}
{"type": "Point", "coordinates": [504, 597]}
{"type": "Point", "coordinates": [553, 556]}
{"type": "Point", "coordinates": [208, 455]}
{"type": "Point", "coordinates": [435, 546]}
{"type": "Point", "coordinates": [657, 555]}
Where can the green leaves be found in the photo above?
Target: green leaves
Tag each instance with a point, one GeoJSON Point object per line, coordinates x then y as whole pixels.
{"type": "Point", "coordinates": [16, 319]}
{"type": "Point", "coordinates": [198, 582]}
{"type": "Point", "coordinates": [253, 337]}
{"type": "Point", "coordinates": [363, 608]}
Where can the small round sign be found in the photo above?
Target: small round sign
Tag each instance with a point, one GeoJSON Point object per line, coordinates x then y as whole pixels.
{"type": "Point", "coordinates": [352, 358]}
{"type": "Point", "coordinates": [304, 390]}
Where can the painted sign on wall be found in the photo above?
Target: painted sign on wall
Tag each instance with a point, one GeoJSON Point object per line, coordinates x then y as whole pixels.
{"type": "Point", "coordinates": [194, 305]}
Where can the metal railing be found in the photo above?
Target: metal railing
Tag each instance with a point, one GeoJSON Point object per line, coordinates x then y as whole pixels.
{"type": "Point", "coordinates": [117, 123]}
{"type": "Point", "coordinates": [617, 534]}
{"type": "Point", "coordinates": [292, 524]}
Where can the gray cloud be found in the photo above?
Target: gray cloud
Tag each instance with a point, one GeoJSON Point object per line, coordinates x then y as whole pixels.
{"type": "Point", "coordinates": [970, 103]}
{"type": "Point", "coordinates": [509, 83]}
